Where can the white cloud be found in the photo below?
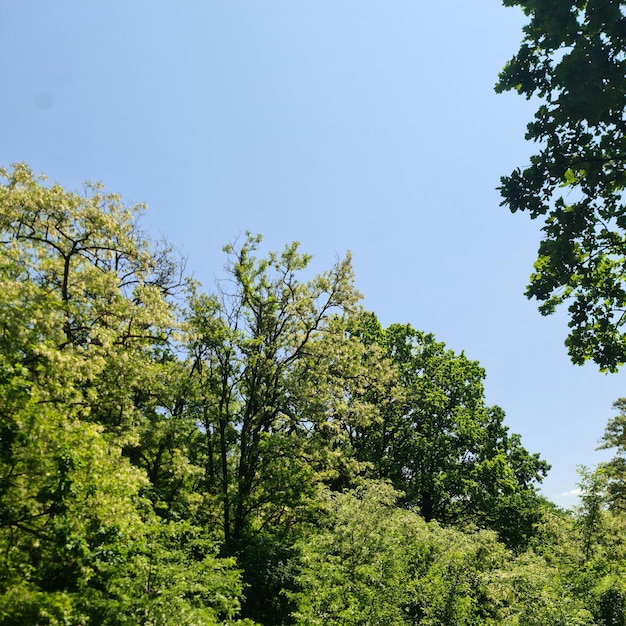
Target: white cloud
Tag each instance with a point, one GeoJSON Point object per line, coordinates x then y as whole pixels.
{"type": "Point", "coordinates": [569, 494]}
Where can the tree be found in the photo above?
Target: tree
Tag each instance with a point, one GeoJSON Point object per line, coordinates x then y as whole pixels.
{"type": "Point", "coordinates": [438, 442]}
{"type": "Point", "coordinates": [599, 577]}
{"type": "Point", "coordinates": [614, 471]}
{"type": "Point", "coordinates": [86, 296]}
{"type": "Point", "coordinates": [272, 375]}
{"type": "Point", "coordinates": [85, 317]}
{"type": "Point", "coordinates": [253, 348]}
{"type": "Point", "coordinates": [84, 304]}
{"type": "Point", "coordinates": [572, 59]}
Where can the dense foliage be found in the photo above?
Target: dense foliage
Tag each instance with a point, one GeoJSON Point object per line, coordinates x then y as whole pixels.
{"type": "Point", "coordinates": [87, 316]}
{"type": "Point", "coordinates": [573, 60]}
{"type": "Point", "coordinates": [438, 443]}
{"type": "Point", "coordinates": [267, 453]}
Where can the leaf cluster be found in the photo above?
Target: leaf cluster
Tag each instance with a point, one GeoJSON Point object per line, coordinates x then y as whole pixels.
{"type": "Point", "coordinates": [573, 61]}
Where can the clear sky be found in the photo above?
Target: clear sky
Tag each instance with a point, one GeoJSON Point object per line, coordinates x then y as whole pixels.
{"type": "Point", "coordinates": [356, 125]}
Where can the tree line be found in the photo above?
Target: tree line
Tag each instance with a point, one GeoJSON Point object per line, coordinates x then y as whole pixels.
{"type": "Point", "coordinates": [265, 453]}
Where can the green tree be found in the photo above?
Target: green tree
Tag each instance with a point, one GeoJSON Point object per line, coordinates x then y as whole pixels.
{"type": "Point", "coordinates": [590, 512]}
{"type": "Point", "coordinates": [614, 438]}
{"type": "Point", "coordinates": [599, 579]}
{"type": "Point", "coordinates": [574, 569]}
{"type": "Point", "coordinates": [86, 297]}
{"type": "Point", "coordinates": [273, 374]}
{"type": "Point", "coordinates": [254, 347]}
{"type": "Point", "coordinates": [534, 592]}
{"type": "Point", "coordinates": [572, 60]}
{"type": "Point", "coordinates": [86, 316]}
{"type": "Point", "coordinates": [438, 442]}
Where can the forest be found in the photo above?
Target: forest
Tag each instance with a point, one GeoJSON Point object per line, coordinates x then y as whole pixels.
{"type": "Point", "coordinates": [264, 451]}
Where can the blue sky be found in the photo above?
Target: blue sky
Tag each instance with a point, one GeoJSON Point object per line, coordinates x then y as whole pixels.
{"type": "Point", "coordinates": [346, 125]}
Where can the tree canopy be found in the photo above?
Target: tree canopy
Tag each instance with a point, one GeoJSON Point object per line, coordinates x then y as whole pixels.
{"type": "Point", "coordinates": [85, 312]}
{"type": "Point", "coordinates": [265, 451]}
{"type": "Point", "coordinates": [572, 61]}
{"type": "Point", "coordinates": [262, 453]}
{"type": "Point", "coordinates": [439, 443]}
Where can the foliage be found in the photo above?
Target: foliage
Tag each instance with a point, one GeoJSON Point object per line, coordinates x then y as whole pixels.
{"type": "Point", "coordinates": [536, 594]}
{"type": "Point", "coordinates": [86, 316]}
{"type": "Point", "coordinates": [438, 442]}
{"type": "Point", "coordinates": [272, 375]}
{"type": "Point", "coordinates": [615, 470]}
{"type": "Point", "coordinates": [572, 59]}
{"type": "Point", "coordinates": [265, 454]}
{"type": "Point", "coordinates": [374, 563]}
{"type": "Point", "coordinates": [580, 555]}
{"type": "Point", "coordinates": [254, 348]}
{"type": "Point", "coordinates": [172, 575]}
{"type": "Point", "coordinates": [80, 545]}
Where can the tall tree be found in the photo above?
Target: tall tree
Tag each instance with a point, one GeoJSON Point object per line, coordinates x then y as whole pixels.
{"type": "Point", "coordinates": [255, 346]}
{"type": "Point", "coordinates": [271, 373]}
{"type": "Point", "coordinates": [614, 471]}
{"type": "Point", "coordinates": [439, 443]}
{"type": "Point", "coordinates": [84, 313]}
{"type": "Point", "coordinates": [572, 60]}
{"type": "Point", "coordinates": [82, 284]}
